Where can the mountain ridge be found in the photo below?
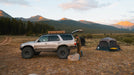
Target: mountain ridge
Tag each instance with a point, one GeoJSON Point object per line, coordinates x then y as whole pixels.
{"type": "Point", "coordinates": [124, 25]}
{"type": "Point", "coordinates": [70, 25]}
{"type": "Point", "coordinates": [37, 18]}
{"type": "Point", "coordinates": [4, 14]}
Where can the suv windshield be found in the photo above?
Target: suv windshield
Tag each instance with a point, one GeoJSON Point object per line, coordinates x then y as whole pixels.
{"type": "Point", "coordinates": [66, 36]}
{"type": "Point", "coordinates": [43, 39]}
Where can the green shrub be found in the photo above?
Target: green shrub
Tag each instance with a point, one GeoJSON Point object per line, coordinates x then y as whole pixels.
{"type": "Point", "coordinates": [128, 35]}
{"type": "Point", "coordinates": [83, 35]}
{"type": "Point", "coordinates": [128, 40]}
{"type": "Point", "coordinates": [89, 36]}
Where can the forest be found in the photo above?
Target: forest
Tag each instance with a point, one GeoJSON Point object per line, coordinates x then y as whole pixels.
{"type": "Point", "coordinates": [12, 26]}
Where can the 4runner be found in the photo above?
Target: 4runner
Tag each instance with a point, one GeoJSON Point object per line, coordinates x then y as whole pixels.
{"type": "Point", "coordinates": [60, 43]}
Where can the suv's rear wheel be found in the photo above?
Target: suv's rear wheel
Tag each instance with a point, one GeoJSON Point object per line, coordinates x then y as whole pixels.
{"type": "Point", "coordinates": [63, 52]}
{"type": "Point", "coordinates": [27, 53]}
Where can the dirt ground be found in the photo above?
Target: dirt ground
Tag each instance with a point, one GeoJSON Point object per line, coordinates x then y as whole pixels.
{"type": "Point", "coordinates": [92, 63]}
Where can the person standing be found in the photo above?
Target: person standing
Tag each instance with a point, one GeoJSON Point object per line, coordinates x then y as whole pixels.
{"type": "Point", "coordinates": [78, 43]}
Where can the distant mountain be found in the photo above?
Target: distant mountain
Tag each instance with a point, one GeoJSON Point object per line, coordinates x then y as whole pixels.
{"type": "Point", "coordinates": [65, 19]}
{"type": "Point", "coordinates": [124, 25]}
{"type": "Point", "coordinates": [33, 18]}
{"type": "Point", "coordinates": [37, 18]}
{"type": "Point", "coordinates": [132, 28]}
{"type": "Point", "coordinates": [86, 22]}
{"type": "Point", "coordinates": [69, 25]}
{"type": "Point", "coordinates": [4, 14]}
{"type": "Point", "coordinates": [21, 18]}
{"type": "Point", "coordinates": [87, 26]}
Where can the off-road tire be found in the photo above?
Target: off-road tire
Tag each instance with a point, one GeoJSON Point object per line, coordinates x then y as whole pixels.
{"type": "Point", "coordinates": [27, 53]}
{"type": "Point", "coordinates": [63, 52]}
{"type": "Point", "coordinates": [36, 53]}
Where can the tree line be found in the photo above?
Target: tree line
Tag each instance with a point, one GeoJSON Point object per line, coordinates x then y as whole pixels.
{"type": "Point", "coordinates": [11, 26]}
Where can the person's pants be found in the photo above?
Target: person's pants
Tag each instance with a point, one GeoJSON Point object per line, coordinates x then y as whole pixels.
{"type": "Point", "coordinates": [79, 50]}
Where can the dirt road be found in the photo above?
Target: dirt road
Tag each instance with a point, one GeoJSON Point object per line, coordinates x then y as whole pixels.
{"type": "Point", "coordinates": [6, 41]}
{"type": "Point", "coordinates": [92, 63]}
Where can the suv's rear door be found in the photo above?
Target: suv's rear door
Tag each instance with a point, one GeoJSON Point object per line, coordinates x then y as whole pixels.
{"type": "Point", "coordinates": [53, 42]}
{"type": "Point", "coordinates": [68, 39]}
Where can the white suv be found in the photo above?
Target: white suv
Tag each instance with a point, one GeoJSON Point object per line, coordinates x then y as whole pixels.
{"type": "Point", "coordinates": [60, 43]}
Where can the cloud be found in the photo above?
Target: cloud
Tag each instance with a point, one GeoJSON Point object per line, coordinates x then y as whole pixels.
{"type": "Point", "coordinates": [111, 5]}
{"type": "Point", "coordinates": [19, 2]}
{"type": "Point", "coordinates": [82, 4]}
{"type": "Point", "coordinates": [131, 11]}
{"type": "Point", "coordinates": [130, 20]}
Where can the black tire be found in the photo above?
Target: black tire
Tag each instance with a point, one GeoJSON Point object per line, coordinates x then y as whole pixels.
{"type": "Point", "coordinates": [27, 53]}
{"type": "Point", "coordinates": [36, 53]}
{"type": "Point", "coordinates": [63, 52]}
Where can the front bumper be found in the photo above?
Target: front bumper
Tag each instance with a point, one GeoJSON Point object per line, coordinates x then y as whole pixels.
{"type": "Point", "coordinates": [21, 48]}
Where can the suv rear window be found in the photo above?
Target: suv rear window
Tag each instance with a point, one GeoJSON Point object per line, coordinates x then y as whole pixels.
{"type": "Point", "coordinates": [66, 36]}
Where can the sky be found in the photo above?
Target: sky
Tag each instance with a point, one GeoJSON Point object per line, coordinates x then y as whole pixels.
{"type": "Point", "coordinates": [99, 11]}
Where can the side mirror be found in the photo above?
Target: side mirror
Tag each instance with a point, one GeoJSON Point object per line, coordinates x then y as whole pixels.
{"type": "Point", "coordinates": [37, 40]}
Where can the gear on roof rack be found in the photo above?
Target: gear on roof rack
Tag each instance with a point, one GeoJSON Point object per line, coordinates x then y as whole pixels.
{"type": "Point", "coordinates": [56, 32]}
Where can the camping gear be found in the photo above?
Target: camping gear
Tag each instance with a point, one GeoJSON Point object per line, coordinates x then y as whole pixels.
{"type": "Point", "coordinates": [78, 30]}
{"type": "Point", "coordinates": [108, 44]}
{"type": "Point", "coordinates": [74, 57]}
{"type": "Point", "coordinates": [82, 41]}
{"type": "Point", "coordinates": [56, 32]}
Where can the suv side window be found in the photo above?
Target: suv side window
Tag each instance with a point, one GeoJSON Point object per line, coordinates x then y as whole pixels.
{"type": "Point", "coordinates": [43, 39]}
{"type": "Point", "coordinates": [66, 37]}
{"type": "Point", "coordinates": [53, 38]}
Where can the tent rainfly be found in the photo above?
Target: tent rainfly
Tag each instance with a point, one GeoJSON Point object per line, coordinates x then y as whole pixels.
{"type": "Point", "coordinates": [108, 44]}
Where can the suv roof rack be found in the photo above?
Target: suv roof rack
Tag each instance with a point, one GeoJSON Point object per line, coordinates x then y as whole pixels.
{"type": "Point", "coordinates": [56, 32]}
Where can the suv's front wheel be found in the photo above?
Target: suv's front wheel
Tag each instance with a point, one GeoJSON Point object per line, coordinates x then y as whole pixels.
{"type": "Point", "coordinates": [63, 52]}
{"type": "Point", "coordinates": [27, 53]}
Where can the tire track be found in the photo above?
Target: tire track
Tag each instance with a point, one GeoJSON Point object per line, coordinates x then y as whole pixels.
{"type": "Point", "coordinates": [6, 41]}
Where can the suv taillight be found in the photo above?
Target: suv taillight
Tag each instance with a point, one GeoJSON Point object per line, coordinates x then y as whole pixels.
{"type": "Point", "coordinates": [75, 43]}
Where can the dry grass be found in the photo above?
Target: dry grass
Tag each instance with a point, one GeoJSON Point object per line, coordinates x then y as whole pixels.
{"type": "Point", "coordinates": [92, 63]}
{"type": "Point", "coordinates": [2, 38]}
